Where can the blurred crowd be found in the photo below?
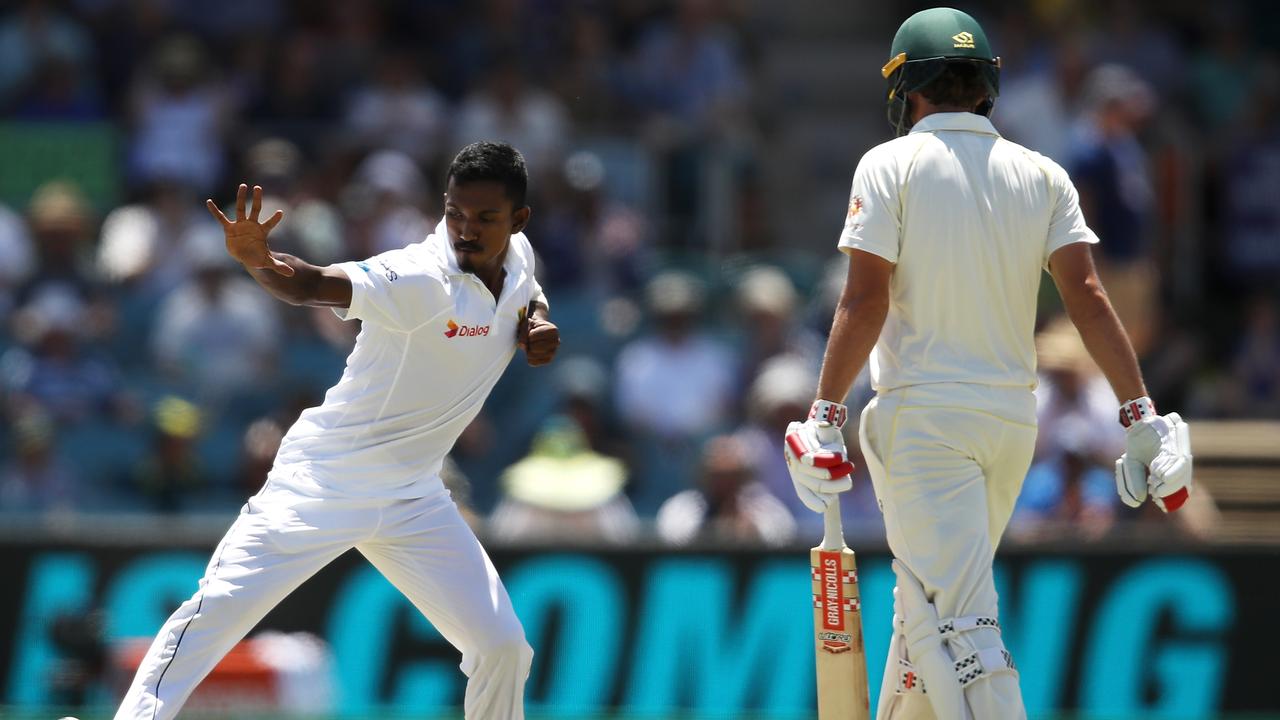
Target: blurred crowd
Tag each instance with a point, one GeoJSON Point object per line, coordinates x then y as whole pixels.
{"type": "Point", "coordinates": [142, 371]}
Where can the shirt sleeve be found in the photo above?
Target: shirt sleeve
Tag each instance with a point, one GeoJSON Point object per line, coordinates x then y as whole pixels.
{"type": "Point", "coordinates": [394, 290]}
{"type": "Point", "coordinates": [1066, 223]}
{"type": "Point", "coordinates": [535, 288]}
{"type": "Point", "coordinates": [873, 223]}
{"type": "Point", "coordinates": [536, 294]}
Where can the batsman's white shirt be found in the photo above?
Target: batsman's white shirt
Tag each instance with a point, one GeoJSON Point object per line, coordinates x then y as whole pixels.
{"type": "Point", "coordinates": [970, 223]}
{"type": "Point", "coordinates": [433, 344]}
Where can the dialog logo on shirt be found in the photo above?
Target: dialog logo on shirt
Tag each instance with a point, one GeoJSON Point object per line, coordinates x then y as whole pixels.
{"type": "Point", "coordinates": [465, 330]}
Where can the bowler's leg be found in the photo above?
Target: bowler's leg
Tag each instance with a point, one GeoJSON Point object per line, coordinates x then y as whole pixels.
{"type": "Point", "coordinates": [427, 550]}
{"type": "Point", "coordinates": [250, 572]}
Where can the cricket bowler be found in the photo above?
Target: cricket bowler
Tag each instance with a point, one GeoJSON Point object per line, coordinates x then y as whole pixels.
{"type": "Point", "coordinates": [441, 320]}
{"type": "Point", "coordinates": [949, 227]}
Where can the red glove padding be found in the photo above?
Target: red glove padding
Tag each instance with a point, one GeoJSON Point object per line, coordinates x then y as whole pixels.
{"type": "Point", "coordinates": [1157, 460]}
{"type": "Point", "coordinates": [816, 455]}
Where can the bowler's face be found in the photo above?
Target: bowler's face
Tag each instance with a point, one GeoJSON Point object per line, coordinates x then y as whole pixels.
{"type": "Point", "coordinates": [480, 219]}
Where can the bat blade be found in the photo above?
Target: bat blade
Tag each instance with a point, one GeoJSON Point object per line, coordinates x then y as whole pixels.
{"type": "Point", "coordinates": [837, 630]}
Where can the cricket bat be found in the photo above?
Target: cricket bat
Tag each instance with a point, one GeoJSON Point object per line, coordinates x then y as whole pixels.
{"type": "Point", "coordinates": [837, 626]}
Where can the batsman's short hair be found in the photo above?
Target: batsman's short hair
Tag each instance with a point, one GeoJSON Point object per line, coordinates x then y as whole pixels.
{"type": "Point", "coordinates": [961, 84]}
{"type": "Point", "coordinates": [493, 162]}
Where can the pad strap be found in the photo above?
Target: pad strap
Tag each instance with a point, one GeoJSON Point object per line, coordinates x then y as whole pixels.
{"type": "Point", "coordinates": [969, 669]}
{"type": "Point", "coordinates": [986, 661]}
{"type": "Point", "coordinates": [955, 626]}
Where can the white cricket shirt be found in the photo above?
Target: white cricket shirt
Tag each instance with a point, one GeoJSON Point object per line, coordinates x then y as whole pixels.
{"type": "Point", "coordinates": [970, 220]}
{"type": "Point", "coordinates": [432, 344]}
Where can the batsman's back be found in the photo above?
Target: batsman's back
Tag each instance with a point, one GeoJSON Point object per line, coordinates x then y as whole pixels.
{"type": "Point", "coordinates": [976, 219]}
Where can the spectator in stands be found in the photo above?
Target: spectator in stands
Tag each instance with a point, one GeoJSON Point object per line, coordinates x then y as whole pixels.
{"type": "Point", "coordinates": [767, 302]}
{"type": "Point", "coordinates": [674, 380]}
{"type": "Point", "coordinates": [687, 68]}
{"type": "Point", "coordinates": [587, 241]}
{"type": "Point", "coordinates": [32, 34]}
{"type": "Point", "coordinates": [583, 384]}
{"type": "Point", "coordinates": [508, 107]}
{"type": "Point", "coordinates": [171, 474]}
{"type": "Point", "coordinates": [1071, 492]}
{"type": "Point", "coordinates": [728, 504]}
{"type": "Point", "coordinates": [1110, 169]}
{"type": "Point", "coordinates": [298, 99]}
{"type": "Point", "coordinates": [564, 491]}
{"type": "Point", "coordinates": [129, 265]}
{"type": "Point", "coordinates": [383, 204]}
{"type": "Point", "coordinates": [1132, 36]}
{"type": "Point", "coordinates": [1072, 393]}
{"type": "Point", "coordinates": [674, 388]}
{"type": "Point", "coordinates": [687, 79]}
{"type": "Point", "coordinates": [17, 258]}
{"type": "Point", "coordinates": [400, 110]}
{"type": "Point", "coordinates": [179, 115]}
{"type": "Point", "coordinates": [59, 91]}
{"type": "Point", "coordinates": [218, 333]}
{"type": "Point", "coordinates": [53, 369]}
{"type": "Point", "coordinates": [1037, 103]}
{"type": "Point", "coordinates": [1249, 185]}
{"type": "Point", "coordinates": [35, 479]}
{"type": "Point", "coordinates": [588, 76]}
{"type": "Point", "coordinates": [1255, 364]}
{"type": "Point", "coordinates": [1225, 70]}
{"type": "Point", "coordinates": [61, 224]}
{"type": "Point", "coordinates": [141, 245]}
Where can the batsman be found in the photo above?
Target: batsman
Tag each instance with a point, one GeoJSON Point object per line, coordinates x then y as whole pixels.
{"type": "Point", "coordinates": [948, 230]}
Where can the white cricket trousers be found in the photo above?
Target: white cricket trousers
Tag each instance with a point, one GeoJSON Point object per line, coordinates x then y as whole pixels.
{"type": "Point", "coordinates": [947, 462]}
{"type": "Point", "coordinates": [422, 545]}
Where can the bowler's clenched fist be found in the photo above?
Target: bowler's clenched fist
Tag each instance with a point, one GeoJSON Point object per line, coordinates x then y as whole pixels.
{"type": "Point", "coordinates": [539, 337]}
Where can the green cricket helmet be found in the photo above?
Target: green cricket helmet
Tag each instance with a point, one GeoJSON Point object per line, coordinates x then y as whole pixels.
{"type": "Point", "coordinates": [925, 44]}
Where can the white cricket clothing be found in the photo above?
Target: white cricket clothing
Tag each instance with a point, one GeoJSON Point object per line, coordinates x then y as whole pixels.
{"type": "Point", "coordinates": [433, 343]}
{"type": "Point", "coordinates": [422, 545]}
{"type": "Point", "coordinates": [970, 220]}
{"type": "Point", "coordinates": [361, 471]}
{"type": "Point", "coordinates": [947, 471]}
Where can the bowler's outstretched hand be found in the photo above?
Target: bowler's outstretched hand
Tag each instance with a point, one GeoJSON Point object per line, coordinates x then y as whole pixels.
{"type": "Point", "coordinates": [246, 237]}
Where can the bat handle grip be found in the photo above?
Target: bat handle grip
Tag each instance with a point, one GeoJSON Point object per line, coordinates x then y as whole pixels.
{"type": "Point", "coordinates": [833, 532]}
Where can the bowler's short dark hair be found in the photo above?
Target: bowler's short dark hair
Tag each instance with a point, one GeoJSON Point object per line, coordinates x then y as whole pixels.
{"type": "Point", "coordinates": [494, 162]}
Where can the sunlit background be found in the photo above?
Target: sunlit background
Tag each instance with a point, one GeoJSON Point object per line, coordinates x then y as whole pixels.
{"type": "Point", "coordinates": [690, 164]}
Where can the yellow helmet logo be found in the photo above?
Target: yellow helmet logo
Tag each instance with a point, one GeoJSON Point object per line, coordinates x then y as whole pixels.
{"type": "Point", "coordinates": [963, 40]}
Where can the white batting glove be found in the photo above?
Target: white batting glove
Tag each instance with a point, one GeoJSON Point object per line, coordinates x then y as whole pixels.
{"type": "Point", "coordinates": [816, 455]}
{"type": "Point", "coordinates": [1157, 459]}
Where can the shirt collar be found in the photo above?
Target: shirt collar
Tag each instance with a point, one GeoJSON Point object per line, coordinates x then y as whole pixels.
{"type": "Point", "coordinates": [962, 121]}
{"type": "Point", "coordinates": [513, 263]}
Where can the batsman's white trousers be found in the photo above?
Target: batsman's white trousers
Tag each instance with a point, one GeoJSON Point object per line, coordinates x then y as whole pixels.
{"type": "Point", "coordinates": [422, 545]}
{"type": "Point", "coordinates": [947, 462]}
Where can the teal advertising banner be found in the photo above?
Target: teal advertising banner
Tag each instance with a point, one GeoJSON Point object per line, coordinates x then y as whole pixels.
{"type": "Point", "coordinates": [652, 631]}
